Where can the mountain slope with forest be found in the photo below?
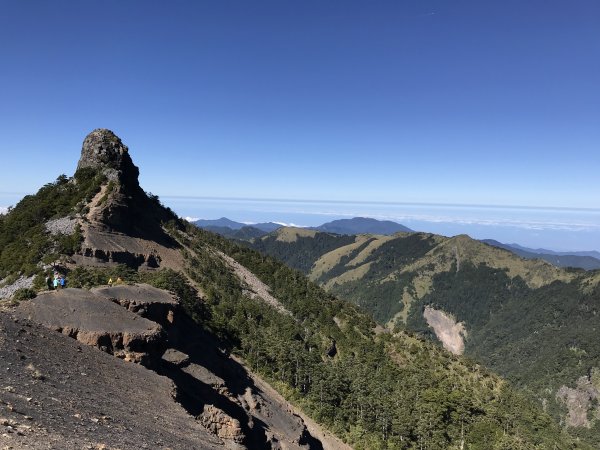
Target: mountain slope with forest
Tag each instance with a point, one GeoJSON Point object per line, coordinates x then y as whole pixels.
{"type": "Point", "coordinates": [323, 354]}
{"type": "Point", "coordinates": [527, 319]}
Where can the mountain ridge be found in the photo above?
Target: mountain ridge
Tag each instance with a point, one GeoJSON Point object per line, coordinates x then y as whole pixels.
{"type": "Point", "coordinates": [325, 355]}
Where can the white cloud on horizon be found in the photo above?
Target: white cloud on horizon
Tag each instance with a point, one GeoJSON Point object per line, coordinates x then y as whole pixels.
{"type": "Point", "coordinates": [3, 209]}
{"type": "Point", "coordinates": [191, 219]}
{"type": "Point", "coordinates": [525, 223]}
{"type": "Point", "coordinates": [284, 224]}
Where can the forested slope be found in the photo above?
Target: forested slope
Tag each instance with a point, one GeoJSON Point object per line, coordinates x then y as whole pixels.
{"type": "Point", "coordinates": [528, 320]}
{"type": "Point", "coordinates": [376, 391]}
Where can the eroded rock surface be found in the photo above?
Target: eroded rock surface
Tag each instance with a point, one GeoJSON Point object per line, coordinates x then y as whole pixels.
{"type": "Point", "coordinates": [219, 423]}
{"type": "Point", "coordinates": [152, 303]}
{"type": "Point", "coordinates": [448, 331]}
{"type": "Point", "coordinates": [98, 322]}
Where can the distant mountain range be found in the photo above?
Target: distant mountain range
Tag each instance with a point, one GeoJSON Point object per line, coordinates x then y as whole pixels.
{"type": "Point", "coordinates": [362, 225]}
{"type": "Point", "coordinates": [224, 222]}
{"type": "Point", "coordinates": [588, 260]}
{"type": "Point", "coordinates": [593, 253]}
{"type": "Point", "coordinates": [356, 225]}
{"type": "Point", "coordinates": [584, 260]}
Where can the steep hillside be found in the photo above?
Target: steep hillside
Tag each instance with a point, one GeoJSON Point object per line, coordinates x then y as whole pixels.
{"type": "Point", "coordinates": [373, 390]}
{"type": "Point", "coordinates": [526, 319]}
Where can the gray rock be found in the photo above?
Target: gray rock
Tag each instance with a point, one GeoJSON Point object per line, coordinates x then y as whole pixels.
{"type": "Point", "coordinates": [96, 321]}
{"type": "Point", "coordinates": [22, 282]}
{"type": "Point", "coordinates": [64, 225]}
{"type": "Point", "coordinates": [102, 149]}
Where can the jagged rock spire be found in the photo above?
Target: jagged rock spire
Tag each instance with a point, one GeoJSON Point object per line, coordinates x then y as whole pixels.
{"type": "Point", "coordinates": [104, 150]}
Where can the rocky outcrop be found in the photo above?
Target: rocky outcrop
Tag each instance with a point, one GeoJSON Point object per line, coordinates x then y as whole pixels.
{"type": "Point", "coordinates": [122, 257]}
{"type": "Point", "coordinates": [103, 150]}
{"type": "Point", "coordinates": [149, 302]}
{"type": "Point", "coordinates": [101, 248]}
{"type": "Point", "coordinates": [95, 321]}
{"type": "Point", "coordinates": [219, 423]}
{"type": "Point", "coordinates": [121, 206]}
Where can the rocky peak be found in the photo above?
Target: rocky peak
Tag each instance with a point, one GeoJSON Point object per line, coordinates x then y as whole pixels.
{"type": "Point", "coordinates": [121, 205]}
{"type": "Point", "coordinates": [103, 149]}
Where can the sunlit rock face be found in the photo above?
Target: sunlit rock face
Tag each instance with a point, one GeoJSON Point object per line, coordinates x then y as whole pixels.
{"type": "Point", "coordinates": [102, 149]}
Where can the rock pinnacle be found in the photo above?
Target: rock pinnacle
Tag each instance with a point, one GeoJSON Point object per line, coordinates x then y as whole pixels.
{"type": "Point", "coordinates": [103, 149]}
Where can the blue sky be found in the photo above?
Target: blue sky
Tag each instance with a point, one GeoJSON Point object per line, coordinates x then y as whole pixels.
{"type": "Point", "coordinates": [462, 102]}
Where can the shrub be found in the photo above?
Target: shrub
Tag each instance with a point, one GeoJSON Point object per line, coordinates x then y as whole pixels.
{"type": "Point", "coordinates": [24, 294]}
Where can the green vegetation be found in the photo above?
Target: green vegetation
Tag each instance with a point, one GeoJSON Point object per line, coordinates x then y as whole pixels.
{"type": "Point", "coordinates": [304, 251]}
{"type": "Point", "coordinates": [376, 391]}
{"type": "Point", "coordinates": [378, 294]}
{"type": "Point", "coordinates": [24, 294]}
{"type": "Point", "coordinates": [539, 338]}
{"type": "Point", "coordinates": [24, 241]}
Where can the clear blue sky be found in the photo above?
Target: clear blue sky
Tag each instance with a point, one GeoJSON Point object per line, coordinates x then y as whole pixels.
{"type": "Point", "coordinates": [468, 102]}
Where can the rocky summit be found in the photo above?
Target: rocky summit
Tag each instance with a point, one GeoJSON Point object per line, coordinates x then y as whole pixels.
{"type": "Point", "coordinates": [102, 149]}
{"type": "Point", "coordinates": [121, 205]}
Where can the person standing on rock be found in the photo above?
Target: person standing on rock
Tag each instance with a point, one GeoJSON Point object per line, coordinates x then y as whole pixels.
{"type": "Point", "coordinates": [110, 282]}
{"type": "Point", "coordinates": [55, 282]}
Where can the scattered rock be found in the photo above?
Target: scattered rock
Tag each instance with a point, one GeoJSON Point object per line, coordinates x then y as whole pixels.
{"type": "Point", "coordinates": [64, 225]}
